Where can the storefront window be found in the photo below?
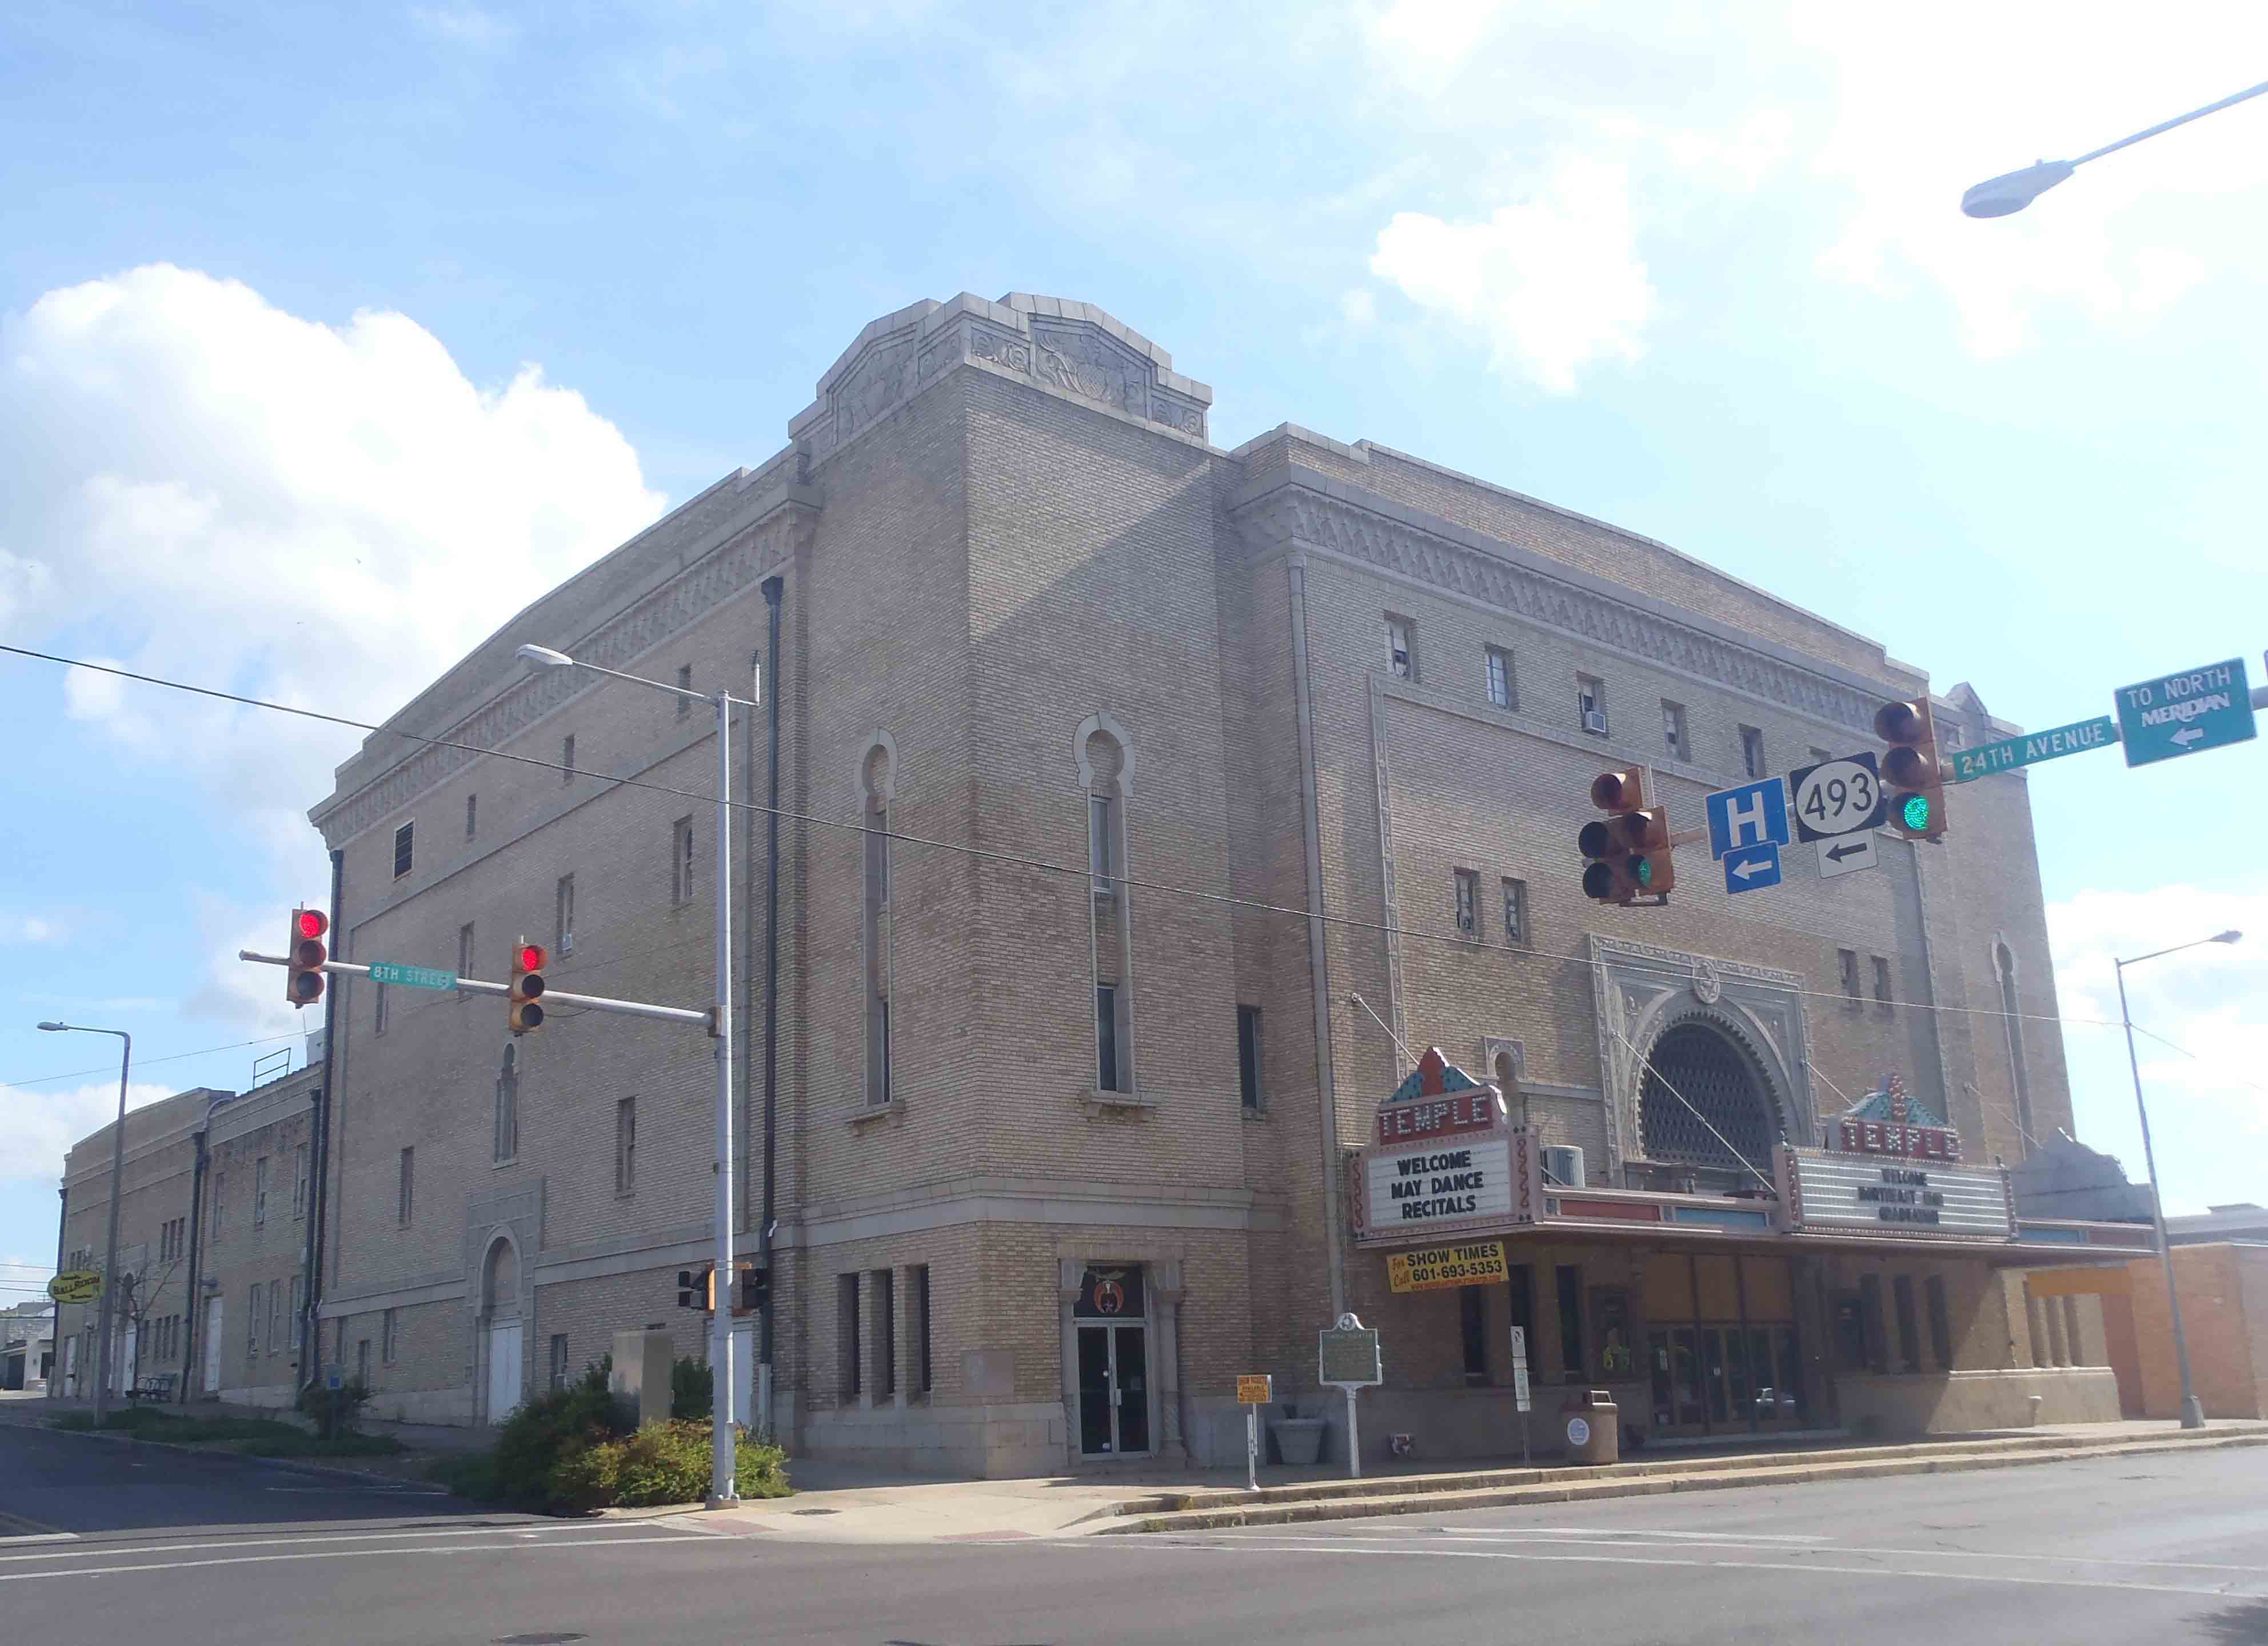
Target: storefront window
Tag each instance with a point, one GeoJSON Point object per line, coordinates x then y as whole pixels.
{"type": "Point", "coordinates": [1570, 1322]}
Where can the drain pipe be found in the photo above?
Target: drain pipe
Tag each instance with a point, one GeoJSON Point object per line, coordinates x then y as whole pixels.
{"type": "Point", "coordinates": [772, 587]}
{"type": "Point", "coordinates": [1318, 959]}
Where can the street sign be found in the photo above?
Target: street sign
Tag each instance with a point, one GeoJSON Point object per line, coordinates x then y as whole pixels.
{"type": "Point", "coordinates": [2034, 746]}
{"type": "Point", "coordinates": [1847, 855]}
{"type": "Point", "coordinates": [1254, 1390]}
{"type": "Point", "coordinates": [1519, 1367]}
{"type": "Point", "coordinates": [2181, 713]}
{"type": "Point", "coordinates": [1839, 797]}
{"type": "Point", "coordinates": [82, 1285]}
{"type": "Point", "coordinates": [1754, 814]}
{"type": "Point", "coordinates": [412, 976]}
{"type": "Point", "coordinates": [1752, 867]}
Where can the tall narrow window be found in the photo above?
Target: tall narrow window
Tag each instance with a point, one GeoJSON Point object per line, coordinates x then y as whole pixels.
{"type": "Point", "coordinates": [1248, 1055]}
{"type": "Point", "coordinates": [1752, 751]}
{"type": "Point", "coordinates": [274, 1335]}
{"type": "Point", "coordinates": [472, 815]}
{"type": "Point", "coordinates": [259, 1192]}
{"type": "Point", "coordinates": [1847, 964]}
{"type": "Point", "coordinates": [1472, 1319]}
{"type": "Point", "coordinates": [1940, 1322]}
{"type": "Point", "coordinates": [1469, 903]}
{"type": "Point", "coordinates": [886, 1332]}
{"type": "Point", "coordinates": [1400, 647]}
{"type": "Point", "coordinates": [1876, 1340]}
{"type": "Point", "coordinates": [848, 1381]}
{"type": "Point", "coordinates": [362, 1362]}
{"type": "Point", "coordinates": [251, 1323]}
{"type": "Point", "coordinates": [299, 1326]}
{"type": "Point", "coordinates": [921, 1326]}
{"type": "Point", "coordinates": [220, 1206]}
{"type": "Point", "coordinates": [1591, 704]}
{"type": "Point", "coordinates": [567, 759]}
{"type": "Point", "coordinates": [1902, 1305]}
{"type": "Point", "coordinates": [465, 952]}
{"type": "Point", "coordinates": [404, 848]}
{"type": "Point", "coordinates": [1881, 984]}
{"type": "Point", "coordinates": [1570, 1278]}
{"type": "Point", "coordinates": [1101, 830]}
{"type": "Point", "coordinates": [507, 1107]}
{"type": "Point", "coordinates": [405, 1188]}
{"type": "Point", "coordinates": [1110, 1068]}
{"type": "Point", "coordinates": [626, 1146]}
{"type": "Point", "coordinates": [876, 942]}
{"type": "Point", "coordinates": [562, 915]}
{"type": "Point", "coordinates": [389, 1336]}
{"type": "Point", "coordinates": [684, 691]}
{"type": "Point", "coordinates": [2012, 1030]}
{"type": "Point", "coordinates": [680, 861]}
{"type": "Point", "coordinates": [1499, 677]}
{"type": "Point", "coordinates": [299, 1181]}
{"type": "Point", "coordinates": [378, 1008]}
{"type": "Point", "coordinates": [1673, 730]}
{"type": "Point", "coordinates": [1516, 912]}
{"type": "Point", "coordinates": [559, 1359]}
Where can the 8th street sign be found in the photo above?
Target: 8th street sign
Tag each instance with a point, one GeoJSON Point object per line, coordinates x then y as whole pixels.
{"type": "Point", "coordinates": [2181, 713]}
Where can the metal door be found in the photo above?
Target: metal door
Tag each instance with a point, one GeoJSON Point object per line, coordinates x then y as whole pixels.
{"type": "Point", "coordinates": [503, 1370]}
{"type": "Point", "coordinates": [1114, 1391]}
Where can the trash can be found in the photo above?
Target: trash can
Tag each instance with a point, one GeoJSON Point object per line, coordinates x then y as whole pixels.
{"type": "Point", "coordinates": [1592, 1427]}
{"type": "Point", "coordinates": [1298, 1439]}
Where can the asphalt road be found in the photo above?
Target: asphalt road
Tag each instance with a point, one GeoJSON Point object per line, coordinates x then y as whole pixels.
{"type": "Point", "coordinates": [2137, 1550]}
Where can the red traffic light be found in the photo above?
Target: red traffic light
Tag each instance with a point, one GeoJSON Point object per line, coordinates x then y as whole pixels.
{"type": "Point", "coordinates": [312, 922]}
{"type": "Point", "coordinates": [305, 957]}
{"type": "Point", "coordinates": [1617, 792]}
{"type": "Point", "coordinates": [531, 956]}
{"type": "Point", "coordinates": [522, 1012]}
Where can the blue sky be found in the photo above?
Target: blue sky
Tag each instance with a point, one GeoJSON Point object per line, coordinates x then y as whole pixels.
{"type": "Point", "coordinates": [338, 333]}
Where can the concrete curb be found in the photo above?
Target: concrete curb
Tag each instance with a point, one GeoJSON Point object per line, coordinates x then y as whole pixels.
{"type": "Point", "coordinates": [1654, 1484]}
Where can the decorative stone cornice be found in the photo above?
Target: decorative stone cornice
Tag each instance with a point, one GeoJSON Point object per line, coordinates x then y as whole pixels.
{"type": "Point", "coordinates": [741, 563]}
{"type": "Point", "coordinates": [1297, 515]}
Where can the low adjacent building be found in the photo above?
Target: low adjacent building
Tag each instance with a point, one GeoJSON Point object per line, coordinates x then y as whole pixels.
{"type": "Point", "coordinates": [27, 1345]}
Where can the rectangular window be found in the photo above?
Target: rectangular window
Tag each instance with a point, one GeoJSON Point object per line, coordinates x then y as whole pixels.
{"type": "Point", "coordinates": [846, 1335]}
{"type": "Point", "coordinates": [1940, 1322]}
{"type": "Point", "coordinates": [1873, 1337]}
{"type": "Point", "coordinates": [378, 1008]}
{"type": "Point", "coordinates": [921, 1326]}
{"type": "Point", "coordinates": [405, 1189]}
{"type": "Point", "coordinates": [1472, 1317]}
{"type": "Point", "coordinates": [1247, 1055]}
{"type": "Point", "coordinates": [252, 1324]}
{"type": "Point", "coordinates": [1881, 984]}
{"type": "Point", "coordinates": [1752, 751]}
{"type": "Point", "coordinates": [299, 1326]}
{"type": "Point", "coordinates": [626, 1146]}
{"type": "Point", "coordinates": [558, 1360]}
{"type": "Point", "coordinates": [274, 1338]}
{"type": "Point", "coordinates": [684, 691]}
{"type": "Point", "coordinates": [1673, 730]}
{"type": "Point", "coordinates": [1516, 912]}
{"type": "Point", "coordinates": [886, 1333]}
{"type": "Point", "coordinates": [1520, 1287]}
{"type": "Point", "coordinates": [389, 1338]}
{"type": "Point", "coordinates": [680, 861]}
{"type": "Point", "coordinates": [220, 1205]}
{"type": "Point", "coordinates": [1591, 704]}
{"type": "Point", "coordinates": [1902, 1305]}
{"type": "Point", "coordinates": [1499, 677]}
{"type": "Point", "coordinates": [507, 1114]}
{"type": "Point", "coordinates": [362, 1362]}
{"type": "Point", "coordinates": [1101, 818]}
{"type": "Point", "coordinates": [465, 953]}
{"type": "Point", "coordinates": [1571, 1321]}
{"type": "Point", "coordinates": [404, 845]}
{"type": "Point", "coordinates": [876, 947]}
{"type": "Point", "coordinates": [567, 759]}
{"type": "Point", "coordinates": [299, 1181]}
{"type": "Point", "coordinates": [1400, 649]}
{"type": "Point", "coordinates": [1847, 961]}
{"type": "Point", "coordinates": [562, 915]}
{"type": "Point", "coordinates": [1469, 903]}
{"type": "Point", "coordinates": [259, 1192]}
{"type": "Point", "coordinates": [1110, 1067]}
{"type": "Point", "coordinates": [472, 815]}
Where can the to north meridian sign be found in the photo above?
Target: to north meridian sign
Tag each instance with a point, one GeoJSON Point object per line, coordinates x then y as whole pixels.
{"type": "Point", "coordinates": [2034, 746]}
{"type": "Point", "coordinates": [1441, 1268]}
{"type": "Point", "coordinates": [1839, 797]}
{"type": "Point", "coordinates": [2180, 714]}
{"type": "Point", "coordinates": [412, 976]}
{"type": "Point", "coordinates": [1453, 1179]}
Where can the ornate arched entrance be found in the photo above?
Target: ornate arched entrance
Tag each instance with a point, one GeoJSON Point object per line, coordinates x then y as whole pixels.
{"type": "Point", "coordinates": [500, 1329]}
{"type": "Point", "coordinates": [1705, 1109]}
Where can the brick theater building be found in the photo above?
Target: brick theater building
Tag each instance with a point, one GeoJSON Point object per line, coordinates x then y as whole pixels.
{"type": "Point", "coordinates": [1151, 810]}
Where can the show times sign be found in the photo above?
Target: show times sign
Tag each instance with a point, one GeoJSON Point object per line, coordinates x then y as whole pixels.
{"type": "Point", "coordinates": [1439, 1268]}
{"type": "Point", "coordinates": [1453, 1180]}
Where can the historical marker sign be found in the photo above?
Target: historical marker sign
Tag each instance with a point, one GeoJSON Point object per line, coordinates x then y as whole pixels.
{"type": "Point", "coordinates": [1347, 1354]}
{"type": "Point", "coordinates": [2034, 746]}
{"type": "Point", "coordinates": [2181, 713]}
{"type": "Point", "coordinates": [1838, 796]}
{"type": "Point", "coordinates": [412, 976]}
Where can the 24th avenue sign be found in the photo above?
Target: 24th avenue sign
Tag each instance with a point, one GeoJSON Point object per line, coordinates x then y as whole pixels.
{"type": "Point", "coordinates": [2075, 738]}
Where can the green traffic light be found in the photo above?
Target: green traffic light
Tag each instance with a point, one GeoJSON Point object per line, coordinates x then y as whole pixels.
{"type": "Point", "coordinates": [1642, 870]}
{"type": "Point", "coordinates": [1914, 811]}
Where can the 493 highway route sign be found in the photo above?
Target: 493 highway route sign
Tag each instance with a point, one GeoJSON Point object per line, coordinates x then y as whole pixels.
{"type": "Point", "coordinates": [2183, 712]}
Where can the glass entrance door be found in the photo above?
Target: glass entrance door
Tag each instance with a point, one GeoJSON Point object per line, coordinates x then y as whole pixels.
{"type": "Point", "coordinates": [1114, 1391]}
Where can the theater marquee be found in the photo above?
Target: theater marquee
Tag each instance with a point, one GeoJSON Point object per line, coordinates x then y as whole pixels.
{"type": "Point", "coordinates": [1445, 1160]}
{"type": "Point", "coordinates": [1820, 1191]}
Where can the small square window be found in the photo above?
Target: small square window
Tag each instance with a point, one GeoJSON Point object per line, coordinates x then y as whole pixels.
{"type": "Point", "coordinates": [1673, 730]}
{"type": "Point", "coordinates": [404, 842]}
{"type": "Point", "coordinates": [1591, 704]}
{"type": "Point", "coordinates": [1400, 647]}
{"type": "Point", "coordinates": [1516, 912]}
{"type": "Point", "coordinates": [1752, 751]}
{"type": "Point", "coordinates": [1468, 900]}
{"type": "Point", "coordinates": [1499, 677]}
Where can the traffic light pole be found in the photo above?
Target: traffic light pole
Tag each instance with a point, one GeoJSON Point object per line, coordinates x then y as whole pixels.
{"type": "Point", "coordinates": [722, 1494]}
{"type": "Point", "coordinates": [551, 996]}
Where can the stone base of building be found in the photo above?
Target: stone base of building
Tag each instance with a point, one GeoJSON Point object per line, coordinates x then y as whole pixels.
{"type": "Point", "coordinates": [1961, 1402]}
{"type": "Point", "coordinates": [449, 1407]}
{"type": "Point", "coordinates": [998, 1442]}
{"type": "Point", "coordinates": [271, 1396]}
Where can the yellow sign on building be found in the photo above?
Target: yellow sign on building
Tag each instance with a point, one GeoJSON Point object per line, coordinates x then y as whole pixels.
{"type": "Point", "coordinates": [76, 1286]}
{"type": "Point", "coordinates": [1440, 1267]}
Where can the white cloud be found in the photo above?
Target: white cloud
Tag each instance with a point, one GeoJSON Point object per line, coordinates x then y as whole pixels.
{"type": "Point", "coordinates": [1358, 307]}
{"type": "Point", "coordinates": [1553, 280]}
{"type": "Point", "coordinates": [38, 1127]}
{"type": "Point", "coordinates": [230, 495]}
{"type": "Point", "coordinates": [2209, 1110]}
{"type": "Point", "coordinates": [466, 25]}
{"type": "Point", "coordinates": [26, 928]}
{"type": "Point", "coordinates": [1427, 41]}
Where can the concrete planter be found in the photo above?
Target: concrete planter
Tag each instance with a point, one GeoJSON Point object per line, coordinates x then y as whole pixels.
{"type": "Point", "coordinates": [1298, 1439]}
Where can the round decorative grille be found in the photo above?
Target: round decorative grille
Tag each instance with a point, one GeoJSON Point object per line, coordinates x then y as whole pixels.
{"type": "Point", "coordinates": [1710, 1074]}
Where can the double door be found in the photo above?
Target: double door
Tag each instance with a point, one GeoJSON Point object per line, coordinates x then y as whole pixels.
{"type": "Point", "coordinates": [1113, 1390]}
{"type": "Point", "coordinates": [1710, 1378]}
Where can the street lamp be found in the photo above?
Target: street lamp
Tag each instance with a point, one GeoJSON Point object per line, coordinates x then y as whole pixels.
{"type": "Point", "coordinates": [117, 1193]}
{"type": "Point", "coordinates": [721, 1486]}
{"type": "Point", "coordinates": [2192, 1408]}
{"type": "Point", "coordinates": [2012, 191]}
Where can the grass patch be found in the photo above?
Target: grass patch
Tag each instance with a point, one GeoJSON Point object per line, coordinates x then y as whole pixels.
{"type": "Point", "coordinates": [251, 1437]}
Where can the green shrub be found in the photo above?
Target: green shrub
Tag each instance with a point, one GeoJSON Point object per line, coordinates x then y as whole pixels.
{"type": "Point", "coordinates": [335, 1411]}
{"type": "Point", "coordinates": [760, 1468]}
{"type": "Point", "coordinates": [547, 1429]}
{"type": "Point", "coordinates": [295, 1444]}
{"type": "Point", "coordinates": [662, 1464]}
{"type": "Point", "coordinates": [691, 1390]}
{"type": "Point", "coordinates": [471, 1475]}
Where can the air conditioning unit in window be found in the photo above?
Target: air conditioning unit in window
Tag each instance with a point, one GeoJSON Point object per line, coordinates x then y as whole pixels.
{"type": "Point", "coordinates": [567, 943]}
{"type": "Point", "coordinates": [1596, 720]}
{"type": "Point", "coordinates": [1563, 1165]}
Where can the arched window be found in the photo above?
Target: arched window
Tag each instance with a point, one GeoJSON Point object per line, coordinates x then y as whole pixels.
{"type": "Point", "coordinates": [1106, 770]}
{"type": "Point", "coordinates": [1703, 1103]}
{"type": "Point", "coordinates": [2012, 1027]}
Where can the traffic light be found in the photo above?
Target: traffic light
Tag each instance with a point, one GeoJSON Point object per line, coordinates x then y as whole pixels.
{"type": "Point", "coordinates": [696, 1287]}
{"type": "Point", "coordinates": [303, 978]}
{"type": "Point", "coordinates": [755, 1289]}
{"type": "Point", "coordinates": [1912, 770]}
{"type": "Point", "coordinates": [1629, 851]}
{"type": "Point", "coordinates": [527, 986]}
